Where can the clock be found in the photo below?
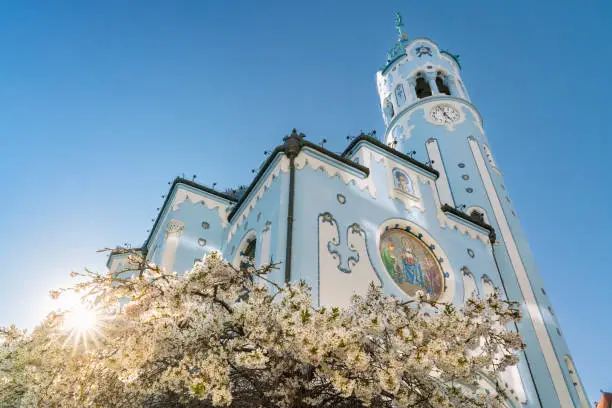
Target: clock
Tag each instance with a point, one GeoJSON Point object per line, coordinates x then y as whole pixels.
{"type": "Point", "coordinates": [444, 115]}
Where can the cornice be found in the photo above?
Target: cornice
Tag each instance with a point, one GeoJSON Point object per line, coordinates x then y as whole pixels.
{"type": "Point", "coordinates": [170, 195]}
{"type": "Point", "coordinates": [406, 44]}
{"type": "Point", "coordinates": [465, 217]}
{"type": "Point", "coordinates": [124, 251]}
{"type": "Point", "coordinates": [362, 139]}
{"type": "Point", "coordinates": [283, 149]}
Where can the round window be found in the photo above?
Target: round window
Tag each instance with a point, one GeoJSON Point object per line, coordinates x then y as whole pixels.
{"type": "Point", "coordinates": [411, 264]}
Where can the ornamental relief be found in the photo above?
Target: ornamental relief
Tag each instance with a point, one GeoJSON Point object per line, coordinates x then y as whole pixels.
{"type": "Point", "coordinates": [345, 267]}
{"type": "Point", "coordinates": [174, 227]}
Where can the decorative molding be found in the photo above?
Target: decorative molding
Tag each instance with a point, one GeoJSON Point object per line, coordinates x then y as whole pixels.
{"type": "Point", "coordinates": [369, 154]}
{"type": "Point", "coordinates": [400, 133]}
{"type": "Point", "coordinates": [335, 247]}
{"type": "Point", "coordinates": [531, 305]}
{"type": "Point", "coordinates": [382, 149]}
{"type": "Point", "coordinates": [246, 238]}
{"type": "Point", "coordinates": [426, 104]}
{"type": "Point", "coordinates": [344, 270]}
{"type": "Point", "coordinates": [182, 195]}
{"type": "Point", "coordinates": [175, 227]}
{"type": "Point", "coordinates": [479, 224]}
{"type": "Point", "coordinates": [264, 184]}
{"type": "Point", "coordinates": [584, 401]}
{"type": "Point", "coordinates": [490, 158]}
{"type": "Point", "coordinates": [470, 288]}
{"type": "Point", "coordinates": [412, 199]}
{"type": "Point", "coordinates": [174, 230]}
{"type": "Point", "coordinates": [442, 184]}
{"type": "Point", "coordinates": [456, 223]}
{"type": "Point", "coordinates": [317, 162]}
{"type": "Point", "coordinates": [266, 245]}
{"type": "Point", "coordinates": [380, 156]}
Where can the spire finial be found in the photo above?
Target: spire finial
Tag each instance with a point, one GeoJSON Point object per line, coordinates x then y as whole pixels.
{"type": "Point", "coordinates": [399, 26]}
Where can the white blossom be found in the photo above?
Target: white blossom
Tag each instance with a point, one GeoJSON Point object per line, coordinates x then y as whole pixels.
{"type": "Point", "coordinates": [222, 336]}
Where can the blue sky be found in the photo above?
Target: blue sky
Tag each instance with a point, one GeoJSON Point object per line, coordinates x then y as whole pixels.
{"type": "Point", "coordinates": [103, 103]}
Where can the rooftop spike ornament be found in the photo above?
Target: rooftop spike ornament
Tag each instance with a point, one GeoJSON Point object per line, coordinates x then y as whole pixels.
{"type": "Point", "coordinates": [399, 26]}
{"type": "Point", "coordinates": [398, 49]}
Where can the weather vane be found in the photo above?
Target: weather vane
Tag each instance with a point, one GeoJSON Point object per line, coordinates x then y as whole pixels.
{"type": "Point", "coordinates": [399, 26]}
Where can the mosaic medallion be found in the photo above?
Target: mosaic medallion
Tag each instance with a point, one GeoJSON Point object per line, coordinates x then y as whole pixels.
{"type": "Point", "coordinates": [411, 265]}
{"type": "Point", "coordinates": [423, 50]}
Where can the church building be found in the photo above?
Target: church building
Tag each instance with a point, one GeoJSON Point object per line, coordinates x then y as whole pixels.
{"type": "Point", "coordinates": [422, 208]}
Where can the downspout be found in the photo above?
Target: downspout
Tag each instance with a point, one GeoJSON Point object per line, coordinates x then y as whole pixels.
{"type": "Point", "coordinates": [292, 147]}
{"type": "Point", "coordinates": [492, 239]}
{"type": "Point", "coordinates": [290, 219]}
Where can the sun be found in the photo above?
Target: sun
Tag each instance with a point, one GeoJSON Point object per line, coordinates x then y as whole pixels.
{"type": "Point", "coordinates": [80, 319]}
{"type": "Point", "coordinates": [83, 325]}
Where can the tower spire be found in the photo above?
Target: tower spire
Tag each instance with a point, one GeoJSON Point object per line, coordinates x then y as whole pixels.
{"type": "Point", "coordinates": [399, 26]}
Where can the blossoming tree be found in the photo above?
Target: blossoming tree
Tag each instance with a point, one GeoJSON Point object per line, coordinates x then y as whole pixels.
{"type": "Point", "coordinates": [223, 336]}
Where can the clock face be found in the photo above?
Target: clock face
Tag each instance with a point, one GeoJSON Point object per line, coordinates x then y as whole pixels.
{"type": "Point", "coordinates": [444, 114]}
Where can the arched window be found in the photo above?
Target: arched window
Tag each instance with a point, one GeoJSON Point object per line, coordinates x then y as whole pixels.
{"type": "Point", "coordinates": [246, 251]}
{"type": "Point", "coordinates": [441, 84]}
{"type": "Point", "coordinates": [248, 254]}
{"type": "Point", "coordinates": [400, 96]}
{"type": "Point", "coordinates": [422, 88]}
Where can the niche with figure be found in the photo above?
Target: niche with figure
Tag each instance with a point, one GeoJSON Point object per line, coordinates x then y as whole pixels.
{"type": "Point", "coordinates": [402, 182]}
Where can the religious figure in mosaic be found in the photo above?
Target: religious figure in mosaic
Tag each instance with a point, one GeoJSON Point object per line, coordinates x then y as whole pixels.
{"type": "Point", "coordinates": [411, 265]}
{"type": "Point", "coordinates": [387, 256]}
{"type": "Point", "coordinates": [402, 182]}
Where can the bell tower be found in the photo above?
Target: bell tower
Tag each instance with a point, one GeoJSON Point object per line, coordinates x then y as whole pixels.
{"type": "Point", "coordinates": [429, 116]}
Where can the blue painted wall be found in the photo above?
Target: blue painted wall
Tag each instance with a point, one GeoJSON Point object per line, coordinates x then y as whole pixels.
{"type": "Point", "coordinates": [316, 192]}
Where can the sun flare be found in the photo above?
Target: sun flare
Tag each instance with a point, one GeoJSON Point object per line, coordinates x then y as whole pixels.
{"type": "Point", "coordinates": [82, 324]}
{"type": "Point", "coordinates": [80, 319]}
